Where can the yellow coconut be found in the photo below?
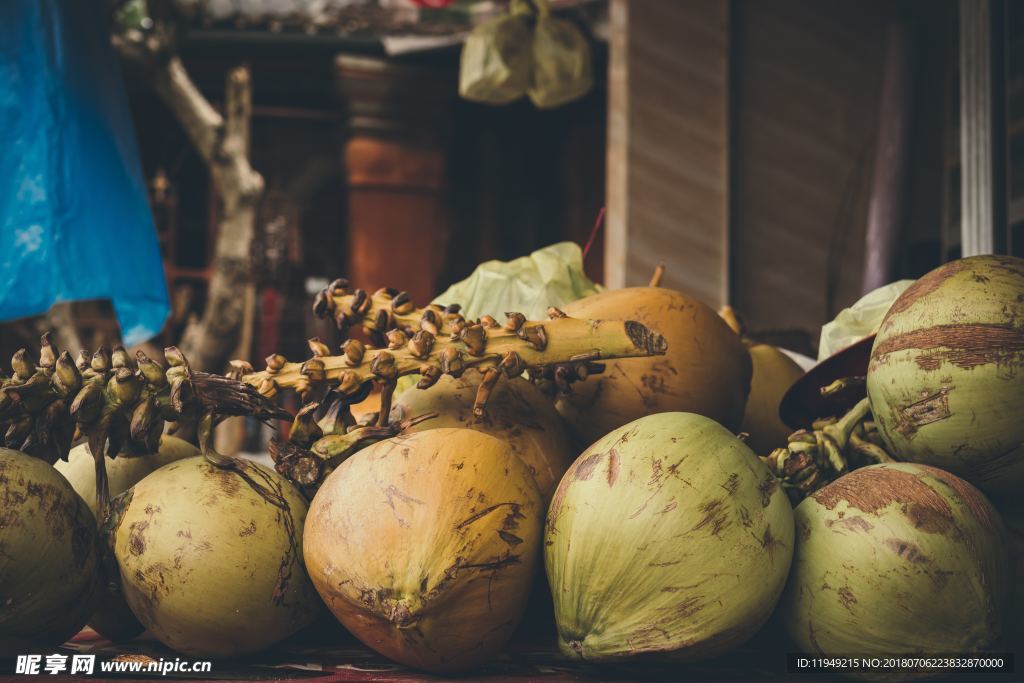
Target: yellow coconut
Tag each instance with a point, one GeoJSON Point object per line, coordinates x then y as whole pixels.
{"type": "Point", "coordinates": [425, 546]}
{"type": "Point", "coordinates": [518, 413]}
{"type": "Point", "coordinates": [123, 472]}
{"type": "Point", "coordinates": [706, 370]}
{"type": "Point", "coordinates": [774, 373]}
{"type": "Point", "coordinates": [211, 558]}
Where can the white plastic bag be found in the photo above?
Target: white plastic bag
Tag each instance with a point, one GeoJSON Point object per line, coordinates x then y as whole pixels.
{"type": "Point", "coordinates": [858, 321]}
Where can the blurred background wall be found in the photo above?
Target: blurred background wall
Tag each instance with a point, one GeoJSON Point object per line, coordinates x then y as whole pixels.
{"type": "Point", "coordinates": [740, 142]}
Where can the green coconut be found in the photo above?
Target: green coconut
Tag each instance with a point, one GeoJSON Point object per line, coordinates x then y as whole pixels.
{"type": "Point", "coordinates": [48, 558]}
{"type": "Point", "coordinates": [897, 558]}
{"type": "Point", "coordinates": [113, 618]}
{"type": "Point", "coordinates": [211, 558]}
{"type": "Point", "coordinates": [946, 378]}
{"type": "Point", "coordinates": [667, 537]}
{"type": "Point", "coordinates": [123, 472]}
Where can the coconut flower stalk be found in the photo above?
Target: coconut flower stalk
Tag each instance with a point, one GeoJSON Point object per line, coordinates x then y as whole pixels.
{"type": "Point", "coordinates": [119, 404]}
{"type": "Point", "coordinates": [810, 460]}
{"type": "Point", "coordinates": [388, 314]}
{"type": "Point", "coordinates": [430, 342]}
{"type": "Point", "coordinates": [831, 448]}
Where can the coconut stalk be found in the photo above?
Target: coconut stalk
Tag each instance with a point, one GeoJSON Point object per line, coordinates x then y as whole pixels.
{"type": "Point", "coordinates": [429, 342]}
{"type": "Point", "coordinates": [810, 460]}
{"type": "Point", "coordinates": [831, 448]}
{"type": "Point", "coordinates": [222, 141]}
{"type": "Point", "coordinates": [389, 313]}
{"type": "Point", "coordinates": [118, 403]}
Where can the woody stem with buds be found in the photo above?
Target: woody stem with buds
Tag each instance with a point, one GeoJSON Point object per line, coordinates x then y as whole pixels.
{"type": "Point", "coordinates": [119, 403]}
{"type": "Point", "coordinates": [429, 342]}
{"type": "Point", "coordinates": [512, 351]}
{"type": "Point", "coordinates": [817, 457]}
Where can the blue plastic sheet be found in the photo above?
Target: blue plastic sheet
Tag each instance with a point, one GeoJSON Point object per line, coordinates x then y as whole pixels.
{"type": "Point", "coordinates": [74, 219]}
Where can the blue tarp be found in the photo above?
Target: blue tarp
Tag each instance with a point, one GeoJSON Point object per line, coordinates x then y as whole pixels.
{"type": "Point", "coordinates": [74, 219]}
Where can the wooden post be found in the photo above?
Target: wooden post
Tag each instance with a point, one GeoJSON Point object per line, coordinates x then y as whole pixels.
{"type": "Point", "coordinates": [395, 159]}
{"type": "Point", "coordinates": [668, 146]}
{"type": "Point", "coordinates": [982, 128]}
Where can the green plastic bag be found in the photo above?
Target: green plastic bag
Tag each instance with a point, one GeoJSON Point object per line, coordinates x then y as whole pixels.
{"type": "Point", "coordinates": [552, 276]}
{"type": "Point", "coordinates": [562, 66]}
{"type": "Point", "coordinates": [495, 64]}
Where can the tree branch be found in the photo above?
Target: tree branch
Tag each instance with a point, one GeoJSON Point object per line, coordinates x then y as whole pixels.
{"type": "Point", "coordinates": [222, 141]}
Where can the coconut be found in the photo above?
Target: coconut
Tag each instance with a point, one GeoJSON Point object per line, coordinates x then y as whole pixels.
{"type": "Point", "coordinates": [518, 413]}
{"type": "Point", "coordinates": [706, 369]}
{"type": "Point", "coordinates": [946, 378]}
{"type": "Point", "coordinates": [667, 537]}
{"type": "Point", "coordinates": [424, 546]}
{"type": "Point", "coordinates": [897, 558]}
{"type": "Point", "coordinates": [774, 373]}
{"type": "Point", "coordinates": [211, 558]}
{"type": "Point", "coordinates": [123, 472]}
{"type": "Point", "coordinates": [48, 558]}
{"type": "Point", "coordinates": [113, 619]}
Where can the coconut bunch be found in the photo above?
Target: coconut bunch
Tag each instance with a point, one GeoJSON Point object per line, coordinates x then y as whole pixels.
{"type": "Point", "coordinates": [688, 377]}
{"type": "Point", "coordinates": [889, 552]}
{"type": "Point", "coordinates": [905, 553]}
{"type": "Point", "coordinates": [433, 343]}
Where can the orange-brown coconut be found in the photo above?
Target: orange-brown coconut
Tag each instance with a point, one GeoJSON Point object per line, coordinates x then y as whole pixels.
{"type": "Point", "coordinates": [706, 369]}
{"type": "Point", "coordinates": [425, 546]}
{"type": "Point", "coordinates": [518, 413]}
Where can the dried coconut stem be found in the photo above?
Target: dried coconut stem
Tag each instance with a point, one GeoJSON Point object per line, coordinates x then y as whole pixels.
{"type": "Point", "coordinates": [832, 448]}
{"type": "Point", "coordinates": [531, 345]}
{"type": "Point", "coordinates": [118, 403]}
{"type": "Point", "coordinates": [657, 275]}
